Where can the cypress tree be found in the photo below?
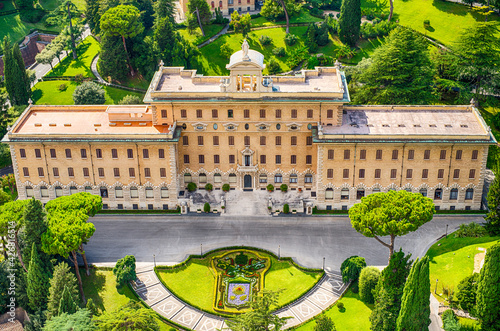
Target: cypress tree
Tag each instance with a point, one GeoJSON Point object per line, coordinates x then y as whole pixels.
{"type": "Point", "coordinates": [37, 283]}
{"type": "Point", "coordinates": [67, 303]}
{"type": "Point", "coordinates": [493, 217]}
{"type": "Point", "coordinates": [164, 9]}
{"type": "Point", "coordinates": [61, 279]}
{"type": "Point", "coordinates": [92, 15]}
{"type": "Point", "coordinates": [112, 59]}
{"type": "Point", "coordinates": [9, 71]}
{"type": "Point", "coordinates": [488, 290]}
{"type": "Point", "coordinates": [164, 37]}
{"type": "Point", "coordinates": [350, 21]}
{"type": "Point", "coordinates": [415, 309]}
{"type": "Point", "coordinates": [23, 82]}
{"type": "Point", "coordinates": [35, 226]}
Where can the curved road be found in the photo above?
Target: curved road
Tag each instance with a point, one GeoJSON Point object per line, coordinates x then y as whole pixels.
{"type": "Point", "coordinates": [306, 239]}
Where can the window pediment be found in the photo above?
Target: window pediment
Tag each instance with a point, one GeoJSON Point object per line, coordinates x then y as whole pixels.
{"type": "Point", "coordinates": [231, 126]}
{"type": "Point", "coordinates": [262, 126]}
{"type": "Point", "coordinates": [294, 126]}
{"type": "Point", "coordinates": [199, 126]}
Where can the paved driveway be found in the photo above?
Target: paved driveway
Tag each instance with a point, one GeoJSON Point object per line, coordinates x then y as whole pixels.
{"type": "Point", "coordinates": [307, 239]}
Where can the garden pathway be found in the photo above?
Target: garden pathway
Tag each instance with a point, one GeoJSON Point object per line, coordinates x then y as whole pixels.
{"type": "Point", "coordinates": [93, 67]}
{"type": "Point", "coordinates": [161, 300]}
{"type": "Point", "coordinates": [214, 37]}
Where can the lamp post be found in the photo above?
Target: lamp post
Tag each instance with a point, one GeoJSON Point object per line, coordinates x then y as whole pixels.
{"type": "Point", "coordinates": [323, 263]}
{"type": "Point", "coordinates": [446, 230]}
{"type": "Point", "coordinates": [201, 249]}
{"type": "Point", "coordinates": [154, 259]}
{"type": "Point", "coordinates": [435, 290]}
{"type": "Point", "coordinates": [279, 252]}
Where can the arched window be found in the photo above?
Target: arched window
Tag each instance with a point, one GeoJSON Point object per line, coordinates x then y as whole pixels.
{"type": "Point", "coordinates": [344, 194]}
{"type": "Point", "coordinates": [454, 194]}
{"type": "Point", "coordinates": [469, 194]}
{"type": "Point", "coordinates": [220, 4]}
{"type": "Point", "coordinates": [408, 189]}
{"type": "Point", "coordinates": [329, 193]}
{"type": "Point", "coordinates": [88, 189]}
{"type": "Point", "coordinates": [360, 193]}
{"type": "Point", "coordinates": [232, 178]}
{"type": "Point", "coordinates": [423, 191]}
{"type": "Point", "coordinates": [217, 178]}
{"type": "Point", "coordinates": [187, 178]}
{"type": "Point", "coordinates": [376, 190]}
{"type": "Point", "coordinates": [164, 192]}
{"type": "Point", "coordinates": [29, 191]}
{"type": "Point", "coordinates": [438, 194]}
{"type": "Point", "coordinates": [263, 178]}
{"type": "Point", "coordinates": [59, 191]}
{"type": "Point", "coordinates": [149, 193]}
{"type": "Point", "coordinates": [134, 192]}
{"type": "Point", "coordinates": [293, 179]}
{"type": "Point", "coordinates": [278, 178]}
{"type": "Point", "coordinates": [308, 178]}
{"type": "Point", "coordinates": [118, 192]}
{"type": "Point", "coordinates": [213, 4]}
{"type": "Point", "coordinates": [44, 192]}
{"type": "Point", "coordinates": [73, 190]}
{"type": "Point", "coordinates": [104, 191]}
{"type": "Point", "coordinates": [202, 178]}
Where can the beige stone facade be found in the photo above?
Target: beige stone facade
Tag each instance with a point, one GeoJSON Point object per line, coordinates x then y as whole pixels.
{"type": "Point", "coordinates": [226, 6]}
{"type": "Point", "coordinates": [249, 131]}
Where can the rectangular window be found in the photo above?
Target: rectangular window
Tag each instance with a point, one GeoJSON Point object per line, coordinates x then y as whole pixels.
{"type": "Point", "coordinates": [68, 153]}
{"type": "Point", "coordinates": [440, 173]}
{"type": "Point", "coordinates": [262, 140]}
{"type": "Point", "coordinates": [425, 173]}
{"type": "Point", "coordinates": [147, 172]}
{"type": "Point", "coordinates": [427, 154]}
{"type": "Point", "coordinates": [377, 173]}
{"type": "Point", "coordinates": [131, 172]}
{"type": "Point", "coordinates": [55, 171]}
{"type": "Point", "coordinates": [26, 172]}
{"type": "Point", "coordinates": [183, 113]}
{"type": "Point", "coordinates": [40, 172]}
{"type": "Point", "coordinates": [38, 154]}
{"type": "Point", "coordinates": [345, 174]}
{"type": "Point", "coordinates": [161, 153]}
{"type": "Point", "coordinates": [230, 113]}
{"type": "Point", "coordinates": [278, 159]}
{"type": "Point", "coordinates": [330, 154]}
{"type": "Point", "coordinates": [52, 153]}
{"type": "Point", "coordinates": [293, 141]}
{"type": "Point", "coordinates": [329, 173]}
{"type": "Point", "coordinates": [293, 159]}
{"type": "Point", "coordinates": [246, 113]}
{"type": "Point", "coordinates": [216, 159]}
{"type": "Point", "coordinates": [98, 153]}
{"type": "Point", "coordinates": [186, 158]}
{"type": "Point", "coordinates": [472, 173]}
{"type": "Point", "coordinates": [395, 154]}
{"type": "Point", "coordinates": [362, 154]}
{"type": "Point", "coordinates": [309, 140]}
{"type": "Point", "coordinates": [442, 154]}
{"type": "Point", "coordinates": [378, 155]}
{"type": "Point", "coordinates": [278, 113]}
{"type": "Point", "coordinates": [329, 113]}
{"type": "Point", "coordinates": [130, 153]}
{"type": "Point", "coordinates": [294, 113]}
{"type": "Point", "coordinates": [114, 153]}
{"type": "Point", "coordinates": [411, 154]}
{"type": "Point", "coordinates": [278, 140]}
{"type": "Point", "coordinates": [231, 159]}
{"type": "Point", "coordinates": [309, 113]}
{"type": "Point", "coordinates": [361, 173]}
{"type": "Point", "coordinates": [22, 153]}
{"type": "Point", "coordinates": [230, 140]}
{"type": "Point", "coordinates": [85, 172]}
{"type": "Point", "coordinates": [100, 172]}
{"type": "Point", "coordinates": [199, 113]}
{"type": "Point", "coordinates": [458, 156]}
{"type": "Point", "coordinates": [309, 159]}
{"type": "Point", "coordinates": [185, 140]}
{"type": "Point", "coordinates": [456, 174]}
{"type": "Point", "coordinates": [163, 172]}
{"type": "Point", "coordinates": [215, 113]}
{"type": "Point", "coordinates": [347, 154]}
{"type": "Point", "coordinates": [145, 153]}
{"type": "Point", "coordinates": [200, 140]}
{"type": "Point", "coordinates": [409, 173]}
{"type": "Point", "coordinates": [475, 154]}
{"type": "Point", "coordinates": [394, 173]}
{"type": "Point", "coordinates": [116, 172]}
{"type": "Point", "coordinates": [263, 159]}
{"type": "Point", "coordinates": [262, 113]}
{"type": "Point", "coordinates": [247, 140]}
{"type": "Point", "coordinates": [164, 113]}
{"type": "Point", "coordinates": [83, 153]}
{"type": "Point", "coordinates": [71, 172]}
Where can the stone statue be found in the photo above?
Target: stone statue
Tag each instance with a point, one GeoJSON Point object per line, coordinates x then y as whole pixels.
{"type": "Point", "coordinates": [245, 48]}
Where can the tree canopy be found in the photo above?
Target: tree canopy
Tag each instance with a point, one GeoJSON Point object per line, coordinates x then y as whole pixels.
{"type": "Point", "coordinates": [89, 93]}
{"type": "Point", "coordinates": [62, 278]}
{"type": "Point", "coordinates": [81, 321]}
{"type": "Point", "coordinates": [350, 21]}
{"type": "Point", "coordinates": [493, 216]}
{"type": "Point", "coordinates": [132, 315]}
{"type": "Point", "coordinates": [488, 290]}
{"type": "Point", "coordinates": [124, 270]}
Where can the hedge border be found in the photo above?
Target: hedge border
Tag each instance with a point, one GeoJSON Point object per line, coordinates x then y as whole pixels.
{"type": "Point", "coordinates": [141, 211]}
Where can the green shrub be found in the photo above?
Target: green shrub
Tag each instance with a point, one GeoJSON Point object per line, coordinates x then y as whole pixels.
{"type": "Point", "coordinates": [265, 40]}
{"type": "Point", "coordinates": [191, 187]}
{"type": "Point", "coordinates": [206, 207]}
{"type": "Point", "coordinates": [279, 51]}
{"type": "Point", "coordinates": [466, 294]}
{"type": "Point", "coordinates": [427, 23]}
{"type": "Point", "coordinates": [31, 15]}
{"type": "Point", "coordinates": [470, 230]}
{"type": "Point", "coordinates": [291, 39]}
{"type": "Point", "coordinates": [351, 268]}
{"type": "Point", "coordinates": [62, 87]}
{"type": "Point", "coordinates": [89, 93]}
{"type": "Point", "coordinates": [496, 120]}
{"type": "Point", "coordinates": [283, 187]}
{"type": "Point", "coordinates": [209, 187]}
{"type": "Point", "coordinates": [367, 282]}
{"type": "Point", "coordinates": [286, 208]}
{"type": "Point", "coordinates": [124, 270]}
{"type": "Point", "coordinates": [226, 50]}
{"type": "Point", "coordinates": [130, 100]}
{"type": "Point", "coordinates": [270, 187]}
{"type": "Point", "coordinates": [273, 67]}
{"type": "Point", "coordinates": [226, 187]}
{"type": "Point", "coordinates": [340, 306]}
{"type": "Point", "coordinates": [450, 321]}
{"type": "Point", "coordinates": [79, 78]}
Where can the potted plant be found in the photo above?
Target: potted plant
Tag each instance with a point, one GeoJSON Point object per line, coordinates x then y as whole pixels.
{"type": "Point", "coordinates": [300, 189]}
{"type": "Point", "coordinates": [206, 207]}
{"type": "Point", "coordinates": [284, 187]}
{"type": "Point", "coordinates": [226, 187]}
{"type": "Point", "coordinates": [294, 211]}
{"type": "Point", "coordinates": [270, 187]}
{"type": "Point", "coordinates": [286, 208]}
{"type": "Point", "coordinates": [209, 187]}
{"type": "Point", "coordinates": [191, 187]}
{"type": "Point", "coordinates": [223, 207]}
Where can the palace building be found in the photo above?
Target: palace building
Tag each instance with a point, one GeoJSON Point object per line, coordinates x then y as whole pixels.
{"type": "Point", "coordinates": [250, 130]}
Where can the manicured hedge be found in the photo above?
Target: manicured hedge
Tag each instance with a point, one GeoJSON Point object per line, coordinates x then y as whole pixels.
{"type": "Point", "coordinates": [141, 211]}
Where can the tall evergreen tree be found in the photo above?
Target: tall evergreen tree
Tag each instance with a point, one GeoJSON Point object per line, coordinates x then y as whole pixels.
{"type": "Point", "coordinates": [4, 285]}
{"type": "Point", "coordinates": [112, 59]}
{"type": "Point", "coordinates": [67, 303]}
{"type": "Point", "coordinates": [62, 279]}
{"type": "Point", "coordinates": [35, 224]}
{"type": "Point", "coordinates": [164, 37]}
{"type": "Point", "coordinates": [15, 74]}
{"type": "Point", "coordinates": [37, 283]}
{"type": "Point", "coordinates": [24, 93]}
{"type": "Point", "coordinates": [488, 290]}
{"type": "Point", "coordinates": [203, 9]}
{"type": "Point", "coordinates": [350, 21]}
{"type": "Point", "coordinates": [415, 303]}
{"type": "Point", "coordinates": [389, 291]}
{"type": "Point", "coordinates": [164, 9]}
{"type": "Point", "coordinates": [493, 217]}
{"type": "Point", "coordinates": [92, 15]}
{"type": "Point", "coordinates": [400, 73]}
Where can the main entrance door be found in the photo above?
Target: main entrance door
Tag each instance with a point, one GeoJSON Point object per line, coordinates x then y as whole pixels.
{"type": "Point", "coordinates": [247, 182]}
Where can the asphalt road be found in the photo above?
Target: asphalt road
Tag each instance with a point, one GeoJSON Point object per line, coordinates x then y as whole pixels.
{"type": "Point", "coordinates": [306, 239]}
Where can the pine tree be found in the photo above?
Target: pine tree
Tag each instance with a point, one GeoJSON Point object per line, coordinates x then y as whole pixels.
{"type": "Point", "coordinates": [203, 8]}
{"type": "Point", "coordinates": [35, 224]}
{"type": "Point", "coordinates": [415, 303]}
{"type": "Point", "coordinates": [493, 217]}
{"type": "Point", "coordinates": [24, 85]}
{"type": "Point", "coordinates": [92, 15]}
{"type": "Point", "coordinates": [92, 307]}
{"type": "Point", "coordinates": [488, 291]}
{"type": "Point", "coordinates": [164, 9]}
{"type": "Point", "coordinates": [37, 283]}
{"type": "Point", "coordinates": [350, 22]}
{"type": "Point", "coordinates": [61, 279]}
{"type": "Point", "coordinates": [67, 304]}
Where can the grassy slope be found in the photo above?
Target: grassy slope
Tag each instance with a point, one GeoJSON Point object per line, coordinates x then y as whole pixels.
{"type": "Point", "coordinates": [196, 37]}
{"type": "Point", "coordinates": [48, 93]}
{"type": "Point", "coordinates": [86, 51]}
{"type": "Point", "coordinates": [302, 17]}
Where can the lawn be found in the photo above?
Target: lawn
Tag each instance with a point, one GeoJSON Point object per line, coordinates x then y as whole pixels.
{"type": "Point", "coordinates": [302, 17]}
{"type": "Point", "coordinates": [354, 318]}
{"type": "Point", "coordinates": [195, 282]}
{"type": "Point", "coordinates": [452, 259]}
{"type": "Point", "coordinates": [196, 37]}
{"type": "Point", "coordinates": [86, 52]}
{"type": "Point", "coordinates": [47, 93]}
